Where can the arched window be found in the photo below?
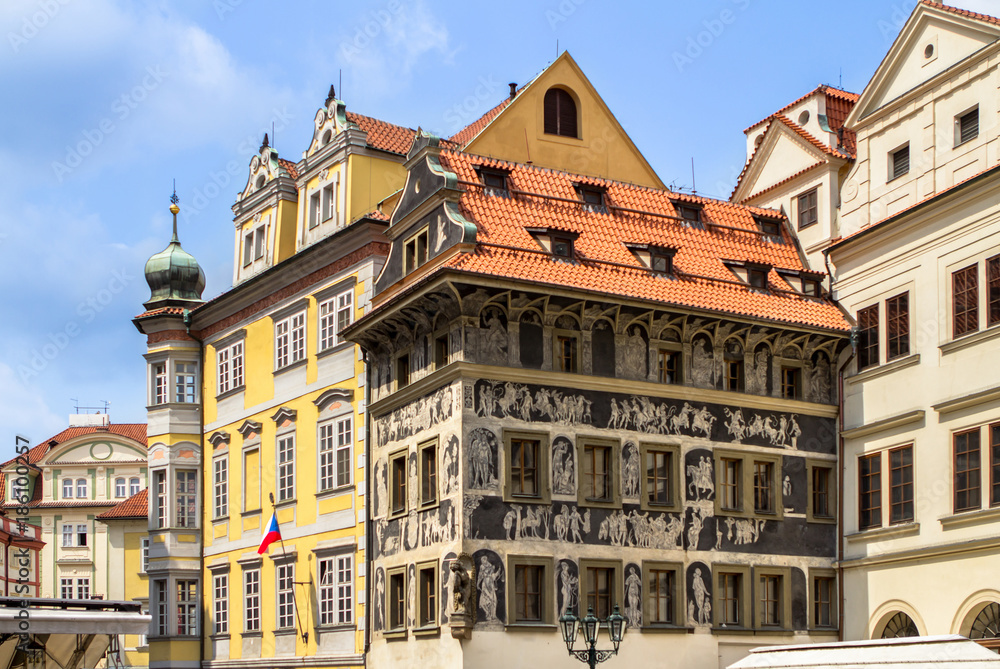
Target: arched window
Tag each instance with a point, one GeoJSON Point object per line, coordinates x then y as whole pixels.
{"type": "Point", "coordinates": [120, 487]}
{"type": "Point", "coordinates": [560, 113]}
{"type": "Point", "coordinates": [986, 626]}
{"type": "Point", "coordinates": [133, 486]}
{"type": "Point", "coordinates": [81, 487]}
{"type": "Point", "coordinates": [900, 625]}
{"type": "Point", "coordinates": [67, 489]}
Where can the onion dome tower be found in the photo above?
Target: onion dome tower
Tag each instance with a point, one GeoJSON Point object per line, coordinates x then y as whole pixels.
{"type": "Point", "coordinates": [175, 278]}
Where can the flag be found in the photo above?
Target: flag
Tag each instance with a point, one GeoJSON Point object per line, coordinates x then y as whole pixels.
{"type": "Point", "coordinates": [271, 534]}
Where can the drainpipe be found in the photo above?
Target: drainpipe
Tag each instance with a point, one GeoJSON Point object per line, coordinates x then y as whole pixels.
{"type": "Point", "coordinates": [369, 562]}
{"type": "Point", "coordinates": [841, 466]}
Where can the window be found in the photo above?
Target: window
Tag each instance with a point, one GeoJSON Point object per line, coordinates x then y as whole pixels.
{"type": "Point", "coordinates": [771, 610]}
{"type": "Point", "coordinates": [764, 486]}
{"type": "Point", "coordinates": [335, 453]}
{"type": "Point", "coordinates": [259, 243]}
{"type": "Point", "coordinates": [662, 594]}
{"type": "Point", "coordinates": [428, 473]}
{"type": "Point", "coordinates": [67, 489]}
{"type": "Point", "coordinates": [562, 246]}
{"type": "Point", "coordinates": [144, 548]}
{"type": "Point", "coordinates": [133, 486]}
{"type": "Point", "coordinates": [768, 226]}
{"type": "Point", "coordinates": [328, 202]}
{"type": "Point", "coordinates": [120, 487]}
{"type": "Point", "coordinates": [335, 314]}
{"type": "Point", "coordinates": [66, 588]}
{"type": "Point", "coordinates": [314, 210]}
{"type": "Point", "coordinates": [186, 494]}
{"type": "Point", "coordinates": [286, 595]}
{"type": "Point", "coordinates": [822, 491]}
{"type": "Point", "coordinates": [161, 608]}
{"type": "Point", "coordinates": [336, 590]}
{"type": "Point", "coordinates": [184, 382]}
{"type": "Point", "coordinates": [994, 464]}
{"type": "Point", "coordinates": [732, 600]}
{"type": "Point", "coordinates": [601, 586]}
{"type": "Point", "coordinates": [560, 113]}
{"type": "Point", "coordinates": [807, 206]}
{"type": "Point", "coordinates": [441, 351]}
{"type": "Point", "coordinates": [868, 337]}
{"type": "Point", "coordinates": [187, 608]}
{"type": "Point", "coordinates": [592, 198]}
{"type": "Point", "coordinates": [248, 249]}
{"type": "Point", "coordinates": [290, 340]}
{"type": "Point", "coordinates": [67, 535]}
{"type": "Point", "coordinates": [897, 312]}
{"type": "Point", "coordinates": [870, 491]}
{"type": "Point", "coordinates": [524, 461]}
{"type": "Point", "coordinates": [566, 353]}
{"type": "Point", "coordinates": [83, 588]}
{"type": "Point", "coordinates": [690, 214]}
{"type": "Point", "coordinates": [160, 483]}
{"type": "Point", "coordinates": [901, 485]}
{"type": "Point", "coordinates": [529, 590]}
{"type": "Point", "coordinates": [81, 488]}
{"type": "Point", "coordinates": [397, 483]}
{"type": "Point", "coordinates": [344, 441]}
{"type": "Point", "coordinates": [427, 598]}
{"type": "Point", "coordinates": [415, 251]}
{"type": "Point", "coordinates": [286, 468]}
{"type": "Point", "coordinates": [658, 476]}
{"type": "Point", "coordinates": [899, 162]}
{"type": "Point", "coordinates": [733, 365]}
{"type": "Point", "coordinates": [220, 586]}
{"type": "Point", "coordinates": [598, 472]}
{"type": "Point", "coordinates": [791, 382]}
{"type": "Point", "coordinates": [251, 600]}
{"type": "Point", "coordinates": [824, 613]}
{"type": "Point", "coordinates": [731, 484]}
{"type": "Point", "coordinates": [396, 604]}
{"type": "Point", "coordinates": [967, 126]}
{"type": "Point", "coordinates": [967, 470]}
{"type": "Point", "coordinates": [230, 367]}
{"type": "Point", "coordinates": [220, 477]}
{"type": "Point", "coordinates": [661, 260]}
{"type": "Point", "coordinates": [739, 474]}
{"type": "Point", "coordinates": [402, 371]}
{"type": "Point", "coordinates": [965, 299]}
{"type": "Point", "coordinates": [993, 290]}
{"type": "Point", "coordinates": [81, 534]}
{"type": "Point", "coordinates": [495, 181]}
{"type": "Point", "coordinates": [160, 394]}
{"type": "Point", "coordinates": [669, 366]}
{"type": "Point", "coordinates": [757, 276]}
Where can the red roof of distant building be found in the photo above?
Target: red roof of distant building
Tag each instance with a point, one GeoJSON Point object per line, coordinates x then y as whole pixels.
{"type": "Point", "coordinates": [604, 264]}
{"type": "Point", "coordinates": [466, 134]}
{"type": "Point", "coordinates": [986, 18]}
{"type": "Point", "coordinates": [382, 135]}
{"type": "Point", "coordinates": [290, 167]}
{"type": "Point", "coordinates": [136, 506]}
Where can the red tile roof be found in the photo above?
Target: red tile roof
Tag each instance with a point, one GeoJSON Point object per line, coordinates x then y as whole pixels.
{"type": "Point", "coordinates": [829, 91]}
{"type": "Point", "coordinates": [382, 135]}
{"type": "Point", "coordinates": [468, 133]}
{"type": "Point", "coordinates": [804, 134]}
{"type": "Point", "coordinates": [162, 311]}
{"type": "Point", "coordinates": [604, 264]}
{"type": "Point", "coordinates": [962, 12]}
{"type": "Point", "coordinates": [136, 506]}
{"type": "Point", "coordinates": [290, 167]}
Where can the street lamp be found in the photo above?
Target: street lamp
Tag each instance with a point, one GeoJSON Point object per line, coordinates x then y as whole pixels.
{"type": "Point", "coordinates": [570, 626]}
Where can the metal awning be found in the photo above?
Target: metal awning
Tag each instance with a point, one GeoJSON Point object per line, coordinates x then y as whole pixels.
{"type": "Point", "coordinates": [927, 652]}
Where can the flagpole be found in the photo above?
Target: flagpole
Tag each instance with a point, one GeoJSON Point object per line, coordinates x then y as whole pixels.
{"type": "Point", "coordinates": [295, 602]}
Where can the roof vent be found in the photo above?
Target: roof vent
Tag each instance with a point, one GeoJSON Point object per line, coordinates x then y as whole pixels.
{"type": "Point", "coordinates": [513, 89]}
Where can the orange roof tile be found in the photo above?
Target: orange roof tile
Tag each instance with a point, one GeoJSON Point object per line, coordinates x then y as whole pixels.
{"type": "Point", "coordinates": [466, 134]}
{"type": "Point", "coordinates": [829, 91]}
{"type": "Point", "coordinates": [382, 135]}
{"type": "Point", "coordinates": [986, 18]}
{"type": "Point", "coordinates": [136, 506]}
{"type": "Point", "coordinates": [604, 264]}
{"type": "Point", "coordinates": [162, 311]}
{"type": "Point", "coordinates": [290, 167]}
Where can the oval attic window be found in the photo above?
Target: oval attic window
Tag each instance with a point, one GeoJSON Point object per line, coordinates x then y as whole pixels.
{"type": "Point", "coordinates": [804, 117]}
{"type": "Point", "coordinates": [928, 51]}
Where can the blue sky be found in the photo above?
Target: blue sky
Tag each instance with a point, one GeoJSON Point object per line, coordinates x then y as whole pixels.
{"type": "Point", "coordinates": [107, 101]}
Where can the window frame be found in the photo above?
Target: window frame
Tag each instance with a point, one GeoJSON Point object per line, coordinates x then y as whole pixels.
{"type": "Point", "coordinates": [285, 474]}
{"type": "Point", "coordinates": [796, 382]}
{"type": "Point", "coordinates": [897, 168]}
{"type": "Point", "coordinates": [336, 598]}
{"type": "Point", "coordinates": [678, 356]}
{"type": "Point", "coordinates": [614, 500]}
{"type": "Point", "coordinates": [187, 605]}
{"type": "Point", "coordinates": [159, 383]}
{"type": "Point", "coordinates": [68, 484]}
{"type": "Point", "coordinates": [284, 600]}
{"type": "Point", "coordinates": [426, 501]}
{"type": "Point", "coordinates": [427, 618]}
{"type": "Point", "coordinates": [690, 214]}
{"type": "Point", "coordinates": [992, 291]}
{"type": "Point", "coordinates": [868, 354]}
{"type": "Point", "coordinates": [220, 601]}
{"type": "Point", "coordinates": [872, 493]}
{"type": "Point", "coordinates": [673, 504]}
{"type": "Point", "coordinates": [144, 554]}
{"type": "Point", "coordinates": [416, 250]}
{"type": "Point", "coordinates": [892, 486]}
{"type": "Point", "coordinates": [335, 313]}
{"type": "Point", "coordinates": [553, 113]}
{"type": "Point", "coordinates": [542, 467]}
{"type": "Point", "coordinates": [189, 387]}
{"type": "Point", "coordinates": [546, 595]}
{"type": "Point", "coordinates": [897, 326]}
{"type": "Point", "coordinates": [978, 469]}
{"type": "Point", "coordinates": [220, 488]}
{"type": "Point", "coordinates": [230, 368]}
{"type": "Point", "coordinates": [832, 491]}
{"type": "Point", "coordinates": [395, 607]}
{"type": "Point", "coordinates": [573, 336]}
{"type": "Point", "coordinates": [960, 126]}
{"type": "Point", "coordinates": [785, 594]}
{"type": "Point", "coordinates": [398, 507]}
{"type": "Point", "coordinates": [617, 595]}
{"type": "Point", "coordinates": [970, 315]}
{"type": "Point", "coordinates": [186, 498]}
{"type": "Point", "coordinates": [120, 487]}
{"type": "Point", "coordinates": [678, 595]}
{"type": "Point", "coordinates": [82, 488]}
{"type": "Point", "coordinates": [830, 575]}
{"type": "Point", "coordinates": [330, 450]}
{"type": "Point", "coordinates": [251, 600]}
{"type": "Point", "coordinates": [745, 483]}
{"type": "Point", "coordinates": [806, 203]}
{"type": "Point", "coordinates": [134, 486]}
{"type": "Point", "coordinates": [289, 339]}
{"type": "Point", "coordinates": [744, 601]}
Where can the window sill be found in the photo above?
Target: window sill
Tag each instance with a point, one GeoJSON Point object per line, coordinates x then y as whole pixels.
{"type": "Point", "coordinates": [391, 635]}
{"type": "Point", "coordinates": [966, 518]}
{"type": "Point", "coordinates": [220, 519]}
{"type": "Point", "coordinates": [336, 492]}
{"type": "Point", "coordinates": [427, 506]}
{"type": "Point", "coordinates": [280, 504]}
{"type": "Point", "coordinates": [338, 627]}
{"type": "Point", "coordinates": [773, 630]}
{"type": "Point", "coordinates": [292, 365]}
{"type": "Point", "coordinates": [723, 629]}
{"type": "Point", "coordinates": [427, 631]}
{"type": "Point", "coordinates": [879, 533]}
{"type": "Point", "coordinates": [822, 520]}
{"type": "Point", "coordinates": [515, 499]}
{"type": "Point", "coordinates": [969, 340]}
{"type": "Point", "coordinates": [530, 626]}
{"type": "Point", "coordinates": [289, 631]}
{"type": "Point", "coordinates": [251, 635]}
{"type": "Point", "coordinates": [887, 368]}
{"type": "Point", "coordinates": [664, 628]}
{"type": "Point", "coordinates": [251, 512]}
{"type": "Point", "coordinates": [336, 348]}
{"type": "Point", "coordinates": [220, 637]}
{"type": "Point", "coordinates": [230, 393]}
{"type": "Point", "coordinates": [174, 405]}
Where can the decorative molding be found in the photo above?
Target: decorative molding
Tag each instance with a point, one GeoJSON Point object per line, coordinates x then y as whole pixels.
{"type": "Point", "coordinates": [887, 368]}
{"type": "Point", "coordinates": [969, 340]}
{"type": "Point", "coordinates": [249, 426]}
{"type": "Point", "coordinates": [883, 533]}
{"type": "Point", "coordinates": [333, 394]}
{"type": "Point", "coordinates": [970, 518]}
{"type": "Point", "coordinates": [898, 420]}
{"type": "Point", "coordinates": [219, 437]}
{"type": "Point", "coordinates": [959, 403]}
{"type": "Point", "coordinates": [283, 414]}
{"type": "Point", "coordinates": [990, 545]}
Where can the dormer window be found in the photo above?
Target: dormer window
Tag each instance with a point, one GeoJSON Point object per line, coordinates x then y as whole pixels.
{"type": "Point", "coordinates": [803, 281]}
{"type": "Point", "coordinates": [659, 259]}
{"type": "Point", "coordinates": [769, 226]}
{"type": "Point", "coordinates": [690, 214]}
{"type": "Point", "coordinates": [494, 181]}
{"type": "Point", "coordinates": [592, 198]}
{"type": "Point", "coordinates": [557, 242]}
{"type": "Point", "coordinates": [753, 274]}
{"type": "Point", "coordinates": [811, 287]}
{"type": "Point", "coordinates": [415, 251]}
{"type": "Point", "coordinates": [562, 246]}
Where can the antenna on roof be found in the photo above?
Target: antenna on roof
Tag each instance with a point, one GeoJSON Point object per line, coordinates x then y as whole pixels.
{"type": "Point", "coordinates": [841, 84]}
{"type": "Point", "coordinates": [694, 187]}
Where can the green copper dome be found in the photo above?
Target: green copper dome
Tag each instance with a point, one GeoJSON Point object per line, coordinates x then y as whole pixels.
{"type": "Point", "coordinates": [175, 279]}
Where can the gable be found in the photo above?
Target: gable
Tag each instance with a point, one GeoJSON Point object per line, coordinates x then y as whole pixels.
{"type": "Point", "coordinates": [931, 42]}
{"type": "Point", "coordinates": [95, 450]}
{"type": "Point", "coordinates": [602, 147]}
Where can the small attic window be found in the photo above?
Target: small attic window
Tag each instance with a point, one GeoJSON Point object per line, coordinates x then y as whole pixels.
{"type": "Point", "coordinates": [494, 181]}
{"type": "Point", "coordinates": [261, 180]}
{"type": "Point", "coordinates": [659, 259]}
{"type": "Point", "coordinates": [557, 242]}
{"type": "Point", "coordinates": [928, 51]}
{"type": "Point", "coordinates": [327, 136]}
{"type": "Point", "coordinates": [769, 226]}
{"type": "Point", "coordinates": [811, 287]}
{"type": "Point", "coordinates": [803, 281]}
{"type": "Point", "coordinates": [560, 113]}
{"type": "Point", "coordinates": [757, 276]}
{"type": "Point", "coordinates": [562, 245]}
{"type": "Point", "coordinates": [592, 198]}
{"type": "Point", "coordinates": [689, 213]}
{"type": "Point", "coordinates": [804, 117]}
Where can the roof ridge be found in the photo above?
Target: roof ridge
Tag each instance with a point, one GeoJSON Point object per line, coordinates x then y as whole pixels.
{"type": "Point", "coordinates": [824, 88]}
{"type": "Point", "coordinates": [985, 18]}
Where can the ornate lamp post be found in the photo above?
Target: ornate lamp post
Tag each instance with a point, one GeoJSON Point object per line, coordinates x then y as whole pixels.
{"type": "Point", "coordinates": [570, 626]}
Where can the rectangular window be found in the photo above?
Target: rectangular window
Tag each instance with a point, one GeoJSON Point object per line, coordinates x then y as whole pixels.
{"type": "Point", "coordinates": [326, 454]}
{"type": "Point", "coordinates": [119, 487]}
{"type": "Point", "coordinates": [286, 468]}
{"type": "Point", "coordinates": [314, 210]}
{"type": "Point", "coordinates": [661, 594]}
{"type": "Point", "coordinates": [597, 473]}
{"type": "Point", "coordinates": [160, 394]}
{"type": "Point", "coordinates": [298, 337]}
{"type": "Point", "coordinates": [822, 506]}
{"type": "Point", "coordinates": [289, 340]}
{"type": "Point", "coordinates": [566, 354]}
{"type": "Point", "coordinates": [251, 600]}
{"type": "Point", "coordinates": [901, 485]}
{"type": "Point", "coordinates": [327, 202]}
{"type": "Point", "coordinates": [286, 593]}
{"type": "Point", "coordinates": [231, 367]}
{"type": "Point", "coordinates": [415, 252]}
{"type": "Point", "coordinates": [529, 583]}
{"type": "Point", "coordinates": [345, 432]}
{"type": "Point", "coordinates": [791, 382]}
{"type": "Point", "coordinates": [562, 246]}
{"type": "Point", "coordinates": [441, 351]}
{"type": "Point", "coordinates": [427, 599]}
{"type": "Point", "coordinates": [967, 474]}
{"type": "Point", "coordinates": [402, 371]}
{"type": "Point", "coordinates": [67, 535]}
{"type": "Point", "coordinates": [868, 337]}
{"type": "Point", "coordinates": [600, 589]}
{"type": "Point", "coordinates": [823, 611]}
{"type": "Point", "coordinates": [967, 126]}
{"type": "Point", "coordinates": [184, 382]}
{"type": "Point", "coordinates": [807, 207]}
{"type": "Point", "coordinates": [248, 249]}
{"type": "Point", "coordinates": [336, 593]}
{"type": "Point", "coordinates": [993, 290]}
{"type": "Point", "coordinates": [67, 489]}
{"type": "Point", "coordinates": [870, 491]}
{"type": "Point", "coordinates": [160, 483]}
{"type": "Point", "coordinates": [734, 375]}
{"type": "Point", "coordinates": [66, 588]}
{"type": "Point", "coordinates": [220, 476]}
{"type": "Point", "coordinates": [81, 534]}
{"type": "Point", "coordinates": [428, 473]}
{"type": "Point", "coordinates": [145, 554]}
{"type": "Point", "coordinates": [162, 622]}
{"type": "Point", "coordinates": [397, 482]}
{"type": "Point", "coordinates": [669, 366]}
{"type": "Point", "coordinates": [771, 613]}
{"type": "Point", "coordinates": [690, 215]}
{"type": "Point", "coordinates": [187, 608]}
{"type": "Point", "coordinates": [251, 479]}
{"type": "Point", "coordinates": [731, 599]}
{"type": "Point", "coordinates": [524, 461]}
{"type": "Point", "coordinates": [731, 484]}
{"type": "Point", "coordinates": [281, 337]}
{"type": "Point", "coordinates": [220, 586]}
{"type": "Point", "coordinates": [965, 300]}
{"type": "Point", "coordinates": [897, 315]}
{"type": "Point", "coordinates": [83, 588]}
{"type": "Point", "coordinates": [335, 314]}
{"type": "Point", "coordinates": [259, 243]}
{"type": "Point", "coordinates": [757, 277]}
{"type": "Point", "coordinates": [396, 606]}
{"type": "Point", "coordinates": [133, 486]}
{"type": "Point", "coordinates": [899, 162]}
{"type": "Point", "coordinates": [763, 487]}
{"type": "Point", "coordinates": [186, 496]}
{"type": "Point", "coordinates": [81, 488]}
{"type": "Point", "coordinates": [659, 477]}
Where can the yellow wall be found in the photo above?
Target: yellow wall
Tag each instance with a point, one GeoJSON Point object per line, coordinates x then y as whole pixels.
{"type": "Point", "coordinates": [603, 148]}
{"type": "Point", "coordinates": [370, 181]}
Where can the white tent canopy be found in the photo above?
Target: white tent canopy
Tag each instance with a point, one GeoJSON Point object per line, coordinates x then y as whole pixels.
{"type": "Point", "coordinates": [928, 652]}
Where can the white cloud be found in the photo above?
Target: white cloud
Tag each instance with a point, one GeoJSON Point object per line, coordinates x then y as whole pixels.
{"type": "Point", "coordinates": [25, 412]}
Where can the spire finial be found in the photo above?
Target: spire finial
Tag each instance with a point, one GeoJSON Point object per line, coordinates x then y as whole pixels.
{"type": "Point", "coordinates": [331, 96]}
{"type": "Point", "coordinates": [265, 144]}
{"type": "Point", "coordinates": [174, 209]}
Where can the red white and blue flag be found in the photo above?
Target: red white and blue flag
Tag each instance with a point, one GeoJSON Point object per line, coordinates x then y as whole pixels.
{"type": "Point", "coordinates": [271, 534]}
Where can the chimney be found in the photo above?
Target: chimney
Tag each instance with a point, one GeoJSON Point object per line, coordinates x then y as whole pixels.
{"type": "Point", "coordinates": [513, 89]}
